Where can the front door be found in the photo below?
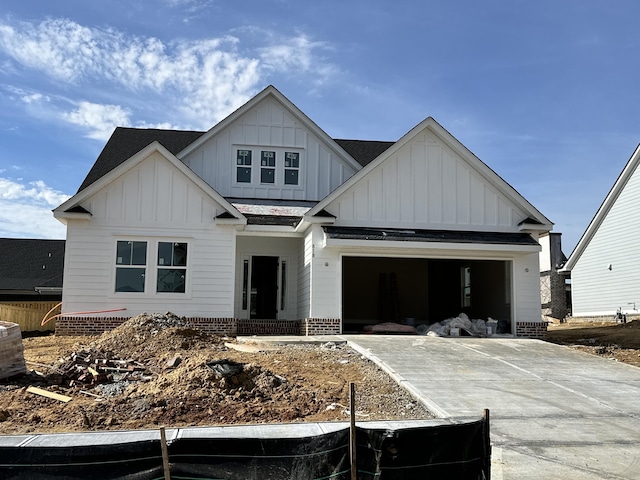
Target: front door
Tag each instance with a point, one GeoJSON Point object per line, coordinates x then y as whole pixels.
{"type": "Point", "coordinates": [264, 287]}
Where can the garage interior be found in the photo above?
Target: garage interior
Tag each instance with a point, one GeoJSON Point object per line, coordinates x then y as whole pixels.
{"type": "Point", "coordinates": [418, 291]}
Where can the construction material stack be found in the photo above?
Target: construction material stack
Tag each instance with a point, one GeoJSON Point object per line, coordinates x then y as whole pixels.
{"type": "Point", "coordinates": [11, 351]}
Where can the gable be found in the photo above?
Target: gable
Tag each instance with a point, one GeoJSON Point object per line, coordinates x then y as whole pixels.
{"type": "Point", "coordinates": [613, 224]}
{"type": "Point", "coordinates": [151, 188]}
{"type": "Point", "coordinates": [270, 124]}
{"type": "Point", "coordinates": [425, 182]}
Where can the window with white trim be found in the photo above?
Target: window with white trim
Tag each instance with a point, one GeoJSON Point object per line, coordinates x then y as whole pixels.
{"type": "Point", "coordinates": [291, 168]}
{"type": "Point", "coordinates": [172, 267]}
{"type": "Point", "coordinates": [131, 262]}
{"type": "Point", "coordinates": [243, 169]}
{"type": "Point", "coordinates": [267, 167]}
{"type": "Point", "coordinates": [278, 166]}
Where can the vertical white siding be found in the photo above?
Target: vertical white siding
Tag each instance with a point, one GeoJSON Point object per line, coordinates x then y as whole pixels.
{"type": "Point", "coordinates": [596, 288]}
{"type": "Point", "coordinates": [426, 185]}
{"type": "Point", "coordinates": [304, 276]}
{"type": "Point", "coordinates": [269, 124]}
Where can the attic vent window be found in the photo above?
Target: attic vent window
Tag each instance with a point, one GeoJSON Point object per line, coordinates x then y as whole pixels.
{"type": "Point", "coordinates": [243, 160]}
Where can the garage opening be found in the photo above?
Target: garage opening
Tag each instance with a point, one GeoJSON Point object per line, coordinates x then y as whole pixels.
{"type": "Point", "coordinates": [423, 291]}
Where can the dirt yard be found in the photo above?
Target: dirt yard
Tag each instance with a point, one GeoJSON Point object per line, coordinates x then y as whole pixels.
{"type": "Point", "coordinates": [161, 372]}
{"type": "Point", "coordinates": [620, 342]}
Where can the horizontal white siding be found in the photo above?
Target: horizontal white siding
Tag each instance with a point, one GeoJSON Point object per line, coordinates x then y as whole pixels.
{"type": "Point", "coordinates": [596, 289]}
{"type": "Point", "coordinates": [526, 288]}
{"type": "Point", "coordinates": [426, 185]}
{"type": "Point", "coordinates": [269, 124]}
{"type": "Point", "coordinates": [152, 202]}
{"type": "Point", "coordinates": [326, 281]}
{"type": "Point", "coordinates": [304, 276]}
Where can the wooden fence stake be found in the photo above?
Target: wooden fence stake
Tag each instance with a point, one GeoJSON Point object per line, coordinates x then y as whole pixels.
{"type": "Point", "coordinates": [352, 431]}
{"type": "Point", "coordinates": [165, 454]}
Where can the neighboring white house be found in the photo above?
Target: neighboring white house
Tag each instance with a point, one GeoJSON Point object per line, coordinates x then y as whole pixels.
{"type": "Point", "coordinates": [605, 265]}
{"type": "Point", "coordinates": [265, 224]}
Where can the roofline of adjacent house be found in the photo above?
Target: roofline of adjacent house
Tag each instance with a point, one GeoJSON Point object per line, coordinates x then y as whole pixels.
{"type": "Point", "coordinates": [603, 210]}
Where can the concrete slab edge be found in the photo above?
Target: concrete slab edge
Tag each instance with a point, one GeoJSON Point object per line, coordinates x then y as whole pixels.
{"type": "Point", "coordinates": [291, 430]}
{"type": "Point", "coordinates": [407, 385]}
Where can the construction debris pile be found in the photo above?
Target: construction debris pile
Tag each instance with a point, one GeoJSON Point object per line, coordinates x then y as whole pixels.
{"type": "Point", "coordinates": [156, 370]}
{"type": "Point", "coordinates": [90, 367]}
{"type": "Point", "coordinates": [460, 325]}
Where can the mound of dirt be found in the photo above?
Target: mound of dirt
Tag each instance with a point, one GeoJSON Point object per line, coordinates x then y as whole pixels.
{"type": "Point", "coordinates": [154, 370]}
{"type": "Point", "coordinates": [620, 342]}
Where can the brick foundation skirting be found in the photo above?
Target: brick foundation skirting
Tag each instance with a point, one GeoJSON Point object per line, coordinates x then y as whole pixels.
{"type": "Point", "coordinates": [531, 329]}
{"type": "Point", "coordinates": [321, 326]}
{"type": "Point", "coordinates": [218, 326]}
{"type": "Point", "coordinates": [268, 327]}
{"type": "Point", "coordinates": [98, 325]}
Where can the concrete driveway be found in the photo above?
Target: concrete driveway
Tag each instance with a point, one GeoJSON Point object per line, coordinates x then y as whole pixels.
{"type": "Point", "coordinates": [555, 413]}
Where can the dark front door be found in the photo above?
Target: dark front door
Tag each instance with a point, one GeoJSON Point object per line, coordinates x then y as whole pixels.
{"type": "Point", "coordinates": [264, 287]}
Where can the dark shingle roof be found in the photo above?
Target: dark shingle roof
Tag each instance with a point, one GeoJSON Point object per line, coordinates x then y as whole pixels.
{"type": "Point", "coordinates": [29, 263]}
{"type": "Point", "coordinates": [364, 151]}
{"type": "Point", "coordinates": [126, 142]}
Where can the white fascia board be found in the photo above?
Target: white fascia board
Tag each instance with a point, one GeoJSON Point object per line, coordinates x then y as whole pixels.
{"type": "Point", "coordinates": [319, 220]}
{"type": "Point", "coordinates": [529, 228]}
{"type": "Point", "coordinates": [363, 245]}
{"type": "Point", "coordinates": [269, 231]}
{"type": "Point", "coordinates": [71, 216]}
{"type": "Point", "coordinates": [230, 221]}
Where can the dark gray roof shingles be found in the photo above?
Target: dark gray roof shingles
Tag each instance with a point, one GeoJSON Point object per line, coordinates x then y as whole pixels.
{"type": "Point", "coordinates": [29, 263]}
{"type": "Point", "coordinates": [126, 142]}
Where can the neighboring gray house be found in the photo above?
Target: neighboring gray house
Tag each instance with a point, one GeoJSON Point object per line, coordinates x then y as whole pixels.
{"type": "Point", "coordinates": [553, 284]}
{"type": "Point", "coordinates": [605, 265]}
{"type": "Point", "coordinates": [30, 280]}
{"type": "Point", "coordinates": [265, 224]}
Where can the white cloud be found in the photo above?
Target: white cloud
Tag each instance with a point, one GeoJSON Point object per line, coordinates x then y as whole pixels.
{"type": "Point", "coordinates": [99, 120]}
{"type": "Point", "coordinates": [25, 210]}
{"type": "Point", "coordinates": [197, 82]}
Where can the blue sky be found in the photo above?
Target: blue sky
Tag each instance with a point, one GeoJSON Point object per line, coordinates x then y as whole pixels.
{"type": "Point", "coordinates": [546, 93]}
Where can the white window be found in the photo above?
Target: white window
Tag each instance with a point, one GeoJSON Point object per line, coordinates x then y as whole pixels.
{"type": "Point", "coordinates": [243, 169]}
{"type": "Point", "coordinates": [131, 261]}
{"type": "Point", "coordinates": [291, 168]}
{"type": "Point", "coordinates": [172, 267]}
{"type": "Point", "coordinates": [278, 166]}
{"type": "Point", "coordinates": [267, 167]}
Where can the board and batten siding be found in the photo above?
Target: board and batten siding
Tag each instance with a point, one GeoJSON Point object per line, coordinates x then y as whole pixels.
{"type": "Point", "coordinates": [425, 184]}
{"type": "Point", "coordinates": [607, 274]}
{"type": "Point", "coordinates": [269, 124]}
{"type": "Point", "coordinates": [152, 202]}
